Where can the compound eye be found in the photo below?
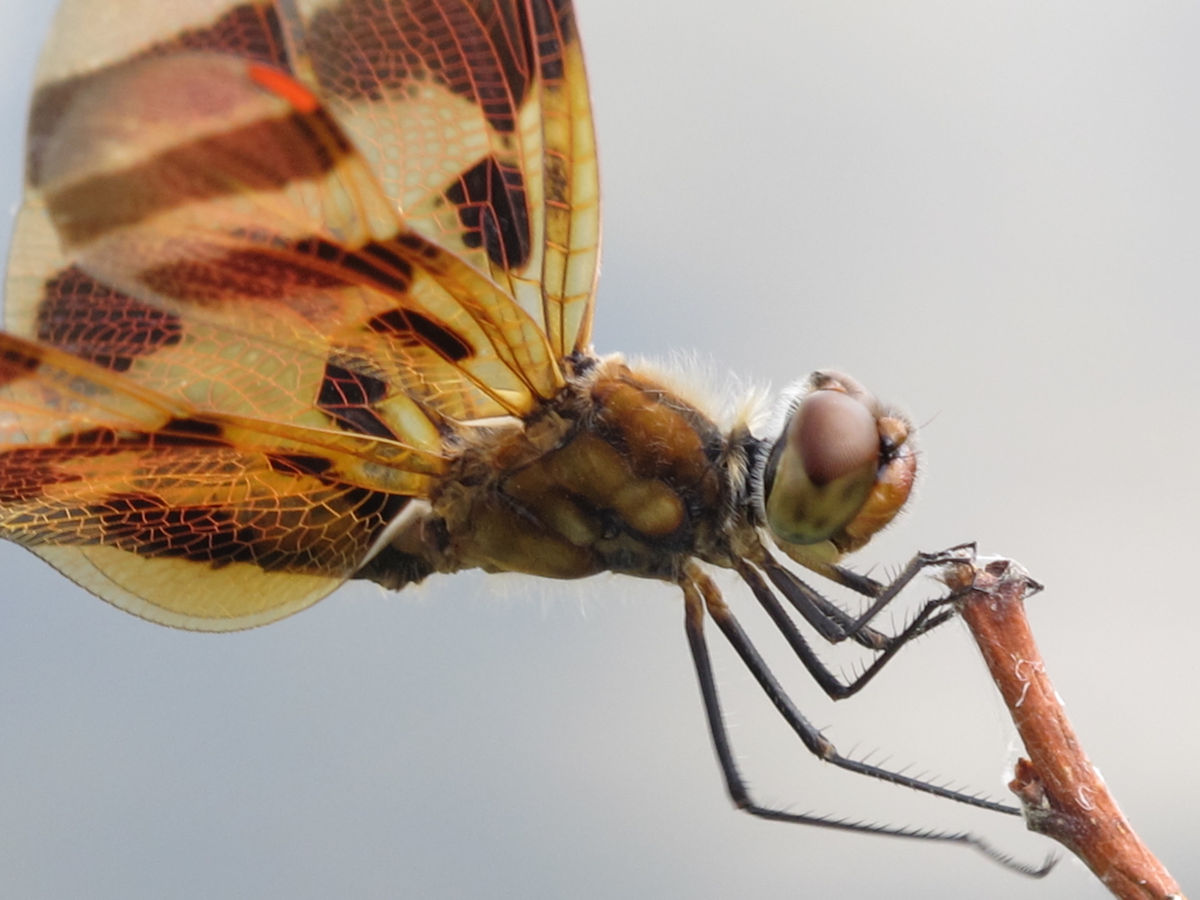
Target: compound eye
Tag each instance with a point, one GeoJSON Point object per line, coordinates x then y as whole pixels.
{"type": "Point", "coordinates": [825, 465]}
{"type": "Point", "coordinates": [834, 435]}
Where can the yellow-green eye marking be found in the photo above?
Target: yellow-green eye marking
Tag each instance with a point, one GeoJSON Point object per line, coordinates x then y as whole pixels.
{"type": "Point", "coordinates": [840, 471]}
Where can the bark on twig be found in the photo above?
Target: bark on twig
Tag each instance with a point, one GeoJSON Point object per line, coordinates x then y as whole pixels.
{"type": "Point", "coordinates": [1060, 790]}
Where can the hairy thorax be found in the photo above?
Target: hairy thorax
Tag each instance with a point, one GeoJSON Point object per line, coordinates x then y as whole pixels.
{"type": "Point", "coordinates": [618, 474]}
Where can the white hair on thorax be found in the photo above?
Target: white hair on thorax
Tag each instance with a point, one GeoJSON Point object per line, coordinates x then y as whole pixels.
{"type": "Point", "coordinates": [733, 402]}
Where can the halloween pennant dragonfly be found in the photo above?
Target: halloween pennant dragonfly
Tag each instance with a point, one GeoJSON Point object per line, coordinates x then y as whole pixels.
{"type": "Point", "coordinates": [302, 290]}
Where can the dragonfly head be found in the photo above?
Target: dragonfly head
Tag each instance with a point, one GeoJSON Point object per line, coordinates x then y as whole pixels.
{"type": "Point", "coordinates": [840, 471]}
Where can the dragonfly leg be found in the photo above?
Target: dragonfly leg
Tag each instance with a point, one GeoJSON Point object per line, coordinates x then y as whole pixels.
{"type": "Point", "coordinates": [702, 598]}
{"type": "Point", "coordinates": [834, 623]}
{"type": "Point", "coordinates": [932, 614]}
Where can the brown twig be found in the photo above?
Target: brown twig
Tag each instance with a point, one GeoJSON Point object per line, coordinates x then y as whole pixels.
{"type": "Point", "coordinates": [1060, 790]}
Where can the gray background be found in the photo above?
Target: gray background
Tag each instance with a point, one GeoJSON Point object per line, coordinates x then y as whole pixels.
{"type": "Point", "coordinates": [987, 211]}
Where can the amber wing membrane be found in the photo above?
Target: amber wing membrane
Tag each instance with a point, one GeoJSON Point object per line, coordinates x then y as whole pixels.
{"type": "Point", "coordinates": [191, 519]}
{"type": "Point", "coordinates": [514, 189]}
{"type": "Point", "coordinates": [256, 286]}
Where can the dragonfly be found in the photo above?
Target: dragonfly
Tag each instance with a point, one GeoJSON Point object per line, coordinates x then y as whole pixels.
{"type": "Point", "coordinates": [301, 291]}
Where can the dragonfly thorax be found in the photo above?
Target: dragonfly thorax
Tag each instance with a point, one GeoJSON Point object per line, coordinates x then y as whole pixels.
{"type": "Point", "coordinates": [619, 474]}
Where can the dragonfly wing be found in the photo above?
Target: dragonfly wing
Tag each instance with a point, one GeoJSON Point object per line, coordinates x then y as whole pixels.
{"type": "Point", "coordinates": [322, 236]}
{"type": "Point", "coordinates": [200, 521]}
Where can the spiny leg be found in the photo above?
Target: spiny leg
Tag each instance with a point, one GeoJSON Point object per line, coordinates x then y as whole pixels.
{"type": "Point", "coordinates": [834, 623]}
{"type": "Point", "coordinates": [931, 615]}
{"type": "Point", "coordinates": [697, 582]}
{"type": "Point", "coordinates": [702, 596]}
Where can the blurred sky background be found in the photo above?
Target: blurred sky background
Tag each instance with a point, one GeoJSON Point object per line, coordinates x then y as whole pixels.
{"type": "Point", "coordinates": [988, 212]}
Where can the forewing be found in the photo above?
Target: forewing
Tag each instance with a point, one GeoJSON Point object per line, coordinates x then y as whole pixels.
{"type": "Point", "coordinates": [219, 198]}
{"type": "Point", "coordinates": [171, 180]}
{"type": "Point", "coordinates": [476, 116]}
